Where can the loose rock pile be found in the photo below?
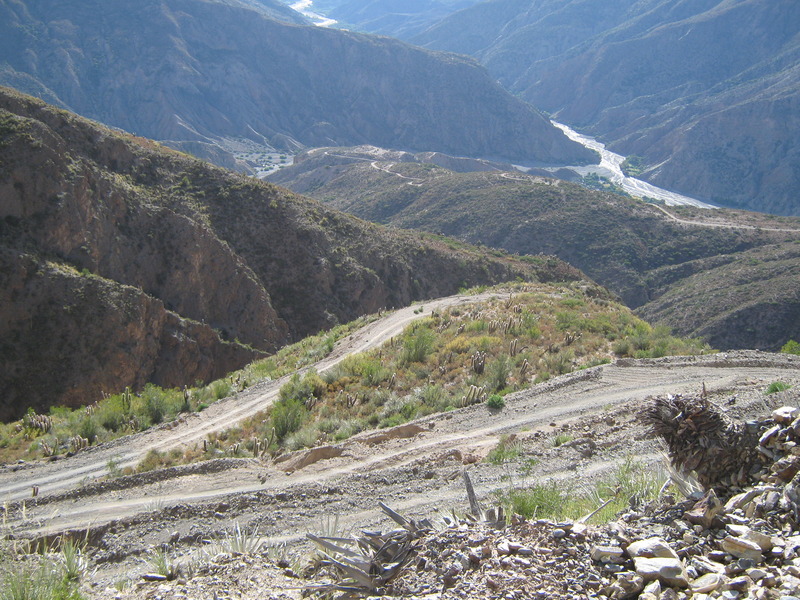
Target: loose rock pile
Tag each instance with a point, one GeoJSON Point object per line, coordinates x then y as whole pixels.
{"type": "Point", "coordinates": [738, 540]}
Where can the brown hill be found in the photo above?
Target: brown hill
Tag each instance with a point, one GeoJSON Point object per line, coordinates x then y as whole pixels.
{"type": "Point", "coordinates": [633, 248]}
{"type": "Point", "coordinates": [124, 262]}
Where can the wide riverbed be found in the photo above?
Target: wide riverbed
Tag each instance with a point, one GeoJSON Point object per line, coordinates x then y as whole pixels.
{"type": "Point", "coordinates": [609, 168]}
{"type": "Point", "coordinates": [305, 8]}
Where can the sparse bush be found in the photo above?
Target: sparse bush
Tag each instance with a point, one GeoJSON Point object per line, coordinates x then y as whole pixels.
{"type": "Point", "coordinates": [417, 346]}
{"type": "Point", "coordinates": [561, 439]}
{"type": "Point", "coordinates": [560, 362]}
{"type": "Point", "coordinates": [305, 437]}
{"type": "Point", "coordinates": [507, 449]}
{"type": "Point", "coordinates": [498, 373]}
{"type": "Point", "coordinates": [161, 563]}
{"type": "Point", "coordinates": [432, 396]}
{"type": "Point", "coordinates": [777, 386]}
{"type": "Point", "coordinates": [495, 402]}
{"type": "Point", "coordinates": [45, 581]}
{"type": "Point", "coordinates": [311, 385]}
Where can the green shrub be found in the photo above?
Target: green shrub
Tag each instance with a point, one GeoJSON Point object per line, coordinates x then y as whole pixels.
{"type": "Point", "coordinates": [311, 385]}
{"type": "Point", "coordinates": [539, 501]}
{"type": "Point", "coordinates": [88, 428]}
{"type": "Point", "coordinates": [495, 402]}
{"type": "Point", "coordinates": [288, 416]}
{"type": "Point", "coordinates": [791, 347]}
{"type": "Point", "coordinates": [111, 414]}
{"type": "Point", "coordinates": [417, 346]}
{"type": "Point", "coordinates": [777, 386]}
{"type": "Point", "coordinates": [155, 406]}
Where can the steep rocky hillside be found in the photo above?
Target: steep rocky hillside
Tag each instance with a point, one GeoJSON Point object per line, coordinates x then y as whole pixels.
{"type": "Point", "coordinates": [208, 70]}
{"type": "Point", "coordinates": [124, 262]}
{"type": "Point", "coordinates": [635, 249]}
{"type": "Point", "coordinates": [705, 91]}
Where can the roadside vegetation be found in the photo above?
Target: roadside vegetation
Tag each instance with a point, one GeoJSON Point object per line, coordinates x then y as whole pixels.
{"type": "Point", "coordinates": [467, 355]}
{"type": "Point", "coordinates": [53, 573]}
{"type": "Point", "coordinates": [455, 358]}
{"type": "Point", "coordinates": [631, 481]}
{"type": "Point", "coordinates": [63, 430]}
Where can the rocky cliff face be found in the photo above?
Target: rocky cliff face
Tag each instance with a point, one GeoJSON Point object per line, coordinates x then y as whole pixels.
{"type": "Point", "coordinates": [125, 262]}
{"type": "Point", "coordinates": [192, 70]}
{"type": "Point", "coordinates": [705, 90]}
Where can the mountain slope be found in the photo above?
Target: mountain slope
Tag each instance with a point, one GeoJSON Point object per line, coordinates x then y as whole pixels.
{"type": "Point", "coordinates": [123, 263]}
{"type": "Point", "coordinates": [206, 70]}
{"type": "Point", "coordinates": [633, 248]}
{"type": "Point", "coordinates": [705, 90]}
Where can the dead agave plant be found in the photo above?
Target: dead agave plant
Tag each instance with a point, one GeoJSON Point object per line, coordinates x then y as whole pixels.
{"type": "Point", "coordinates": [366, 563]}
{"type": "Point", "coordinates": [703, 441]}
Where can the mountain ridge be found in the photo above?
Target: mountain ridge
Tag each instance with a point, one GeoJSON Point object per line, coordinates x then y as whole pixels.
{"type": "Point", "coordinates": [706, 92]}
{"type": "Point", "coordinates": [645, 254]}
{"type": "Point", "coordinates": [126, 262]}
{"type": "Point", "coordinates": [203, 71]}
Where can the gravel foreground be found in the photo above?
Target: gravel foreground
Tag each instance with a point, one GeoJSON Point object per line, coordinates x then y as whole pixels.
{"type": "Point", "coordinates": [128, 521]}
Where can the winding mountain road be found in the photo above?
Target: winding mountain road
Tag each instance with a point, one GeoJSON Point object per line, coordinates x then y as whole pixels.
{"type": "Point", "coordinates": [17, 481]}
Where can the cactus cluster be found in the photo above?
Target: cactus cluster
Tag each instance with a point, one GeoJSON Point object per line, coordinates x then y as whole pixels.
{"type": "Point", "coordinates": [474, 395]}
{"type": "Point", "coordinates": [478, 362]}
{"type": "Point", "coordinates": [78, 443]}
{"type": "Point", "coordinates": [39, 422]}
{"type": "Point", "coordinates": [523, 369]}
{"type": "Point", "coordinates": [126, 400]}
{"type": "Point", "coordinates": [261, 446]}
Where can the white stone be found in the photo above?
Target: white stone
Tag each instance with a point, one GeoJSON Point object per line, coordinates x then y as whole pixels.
{"type": "Point", "coordinates": [742, 548]}
{"type": "Point", "coordinates": [651, 548]}
{"type": "Point", "coordinates": [785, 414]}
{"type": "Point", "coordinates": [666, 570]}
{"type": "Point", "coordinates": [707, 583]}
{"type": "Point", "coordinates": [606, 554]}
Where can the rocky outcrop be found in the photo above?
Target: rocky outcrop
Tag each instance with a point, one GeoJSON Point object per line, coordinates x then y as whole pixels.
{"type": "Point", "coordinates": [69, 337]}
{"type": "Point", "coordinates": [125, 262]}
{"type": "Point", "coordinates": [191, 70]}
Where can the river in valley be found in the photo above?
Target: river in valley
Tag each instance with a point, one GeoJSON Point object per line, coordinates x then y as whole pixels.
{"type": "Point", "coordinates": [609, 168]}
{"type": "Point", "coordinates": [305, 8]}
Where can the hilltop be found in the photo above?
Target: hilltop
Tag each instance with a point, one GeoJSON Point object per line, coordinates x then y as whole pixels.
{"type": "Point", "coordinates": [702, 272]}
{"type": "Point", "coordinates": [125, 262]}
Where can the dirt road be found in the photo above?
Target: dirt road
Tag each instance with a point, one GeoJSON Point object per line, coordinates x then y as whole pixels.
{"type": "Point", "coordinates": [415, 474]}
{"type": "Point", "coordinates": [53, 477]}
{"type": "Point", "coordinates": [416, 469]}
